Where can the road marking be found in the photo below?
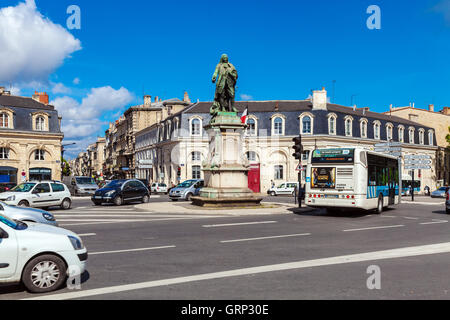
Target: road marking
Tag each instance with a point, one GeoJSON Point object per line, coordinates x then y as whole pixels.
{"type": "Point", "coordinates": [121, 221]}
{"type": "Point", "coordinates": [266, 238]}
{"type": "Point", "coordinates": [383, 216]}
{"type": "Point", "coordinates": [374, 228]}
{"type": "Point", "coordinates": [354, 258]}
{"type": "Point", "coordinates": [87, 235]}
{"type": "Point", "coordinates": [435, 221]}
{"type": "Point", "coordinates": [237, 224]}
{"type": "Point", "coordinates": [411, 218]}
{"type": "Point", "coordinates": [131, 250]}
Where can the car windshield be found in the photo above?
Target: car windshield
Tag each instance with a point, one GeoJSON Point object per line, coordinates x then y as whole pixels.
{"type": "Point", "coordinates": [16, 225]}
{"type": "Point", "coordinates": [186, 184]}
{"type": "Point", "coordinates": [115, 183]}
{"type": "Point", "coordinates": [85, 181]}
{"type": "Point", "coordinates": [24, 187]}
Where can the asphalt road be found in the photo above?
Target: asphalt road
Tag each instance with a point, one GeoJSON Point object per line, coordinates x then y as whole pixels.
{"type": "Point", "coordinates": [138, 255]}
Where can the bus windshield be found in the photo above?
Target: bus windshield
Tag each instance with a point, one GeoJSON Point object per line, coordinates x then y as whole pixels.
{"type": "Point", "coordinates": [333, 156]}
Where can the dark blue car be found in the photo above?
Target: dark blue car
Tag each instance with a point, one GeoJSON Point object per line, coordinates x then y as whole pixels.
{"type": "Point", "coordinates": [119, 192]}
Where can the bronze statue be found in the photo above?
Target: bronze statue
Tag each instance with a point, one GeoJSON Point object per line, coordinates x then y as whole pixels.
{"type": "Point", "coordinates": [225, 78]}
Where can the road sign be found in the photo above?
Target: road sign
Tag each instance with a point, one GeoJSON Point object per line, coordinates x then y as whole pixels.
{"type": "Point", "coordinates": [146, 166]}
{"type": "Point", "coordinates": [417, 157]}
{"type": "Point", "coordinates": [417, 167]}
{"type": "Point", "coordinates": [300, 167]}
{"type": "Point", "coordinates": [422, 162]}
{"type": "Point", "coordinates": [388, 144]}
{"type": "Point", "coordinates": [395, 154]}
{"type": "Point", "coordinates": [145, 162]}
{"type": "Point", "coordinates": [388, 149]}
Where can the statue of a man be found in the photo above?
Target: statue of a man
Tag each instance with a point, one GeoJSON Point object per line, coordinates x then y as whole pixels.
{"type": "Point", "coordinates": [225, 78]}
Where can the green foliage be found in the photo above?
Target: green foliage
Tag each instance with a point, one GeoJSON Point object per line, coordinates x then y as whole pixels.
{"type": "Point", "coordinates": [65, 168]}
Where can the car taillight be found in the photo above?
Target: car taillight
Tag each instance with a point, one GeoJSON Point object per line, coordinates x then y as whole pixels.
{"type": "Point", "coordinates": [7, 189]}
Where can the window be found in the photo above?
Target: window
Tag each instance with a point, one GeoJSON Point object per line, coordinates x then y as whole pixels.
{"type": "Point", "coordinates": [306, 125]}
{"type": "Point", "coordinates": [196, 172]}
{"type": "Point", "coordinates": [196, 127]}
{"type": "Point", "coordinates": [431, 137]}
{"type": "Point", "coordinates": [39, 155]}
{"type": "Point", "coordinates": [305, 155]}
{"type": "Point", "coordinates": [348, 127]}
{"type": "Point", "coordinates": [4, 153]}
{"type": "Point", "coordinates": [40, 124]}
{"type": "Point", "coordinates": [251, 129]}
{"type": "Point", "coordinates": [401, 134]}
{"type": "Point", "coordinates": [376, 130]}
{"type": "Point", "coordinates": [389, 132]}
{"type": "Point", "coordinates": [42, 188]}
{"type": "Point", "coordinates": [279, 173]}
{"type": "Point", "coordinates": [57, 187]}
{"type": "Point", "coordinates": [332, 125]}
{"type": "Point", "coordinates": [421, 136]}
{"type": "Point", "coordinates": [411, 135]}
{"type": "Point", "coordinates": [196, 156]}
{"type": "Point", "coordinates": [4, 120]}
{"type": "Point", "coordinates": [251, 156]}
{"type": "Point", "coordinates": [363, 126]}
{"type": "Point", "coordinates": [278, 126]}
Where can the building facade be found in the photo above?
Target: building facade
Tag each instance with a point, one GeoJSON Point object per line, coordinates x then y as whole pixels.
{"type": "Point", "coordinates": [440, 121]}
{"type": "Point", "coordinates": [30, 138]}
{"type": "Point", "coordinates": [177, 146]}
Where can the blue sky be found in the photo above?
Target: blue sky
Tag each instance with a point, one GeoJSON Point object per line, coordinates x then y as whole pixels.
{"type": "Point", "coordinates": [282, 50]}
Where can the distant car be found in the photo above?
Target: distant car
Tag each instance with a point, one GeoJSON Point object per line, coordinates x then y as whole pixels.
{"type": "Point", "coordinates": [81, 186]}
{"type": "Point", "coordinates": [447, 202]}
{"type": "Point", "coordinates": [38, 255]}
{"type": "Point", "coordinates": [28, 214]}
{"type": "Point", "coordinates": [159, 188]}
{"type": "Point", "coordinates": [186, 190]}
{"type": "Point", "coordinates": [7, 186]}
{"type": "Point", "coordinates": [284, 188]}
{"type": "Point", "coordinates": [439, 193]}
{"type": "Point", "coordinates": [43, 194]}
{"type": "Point", "coordinates": [119, 192]}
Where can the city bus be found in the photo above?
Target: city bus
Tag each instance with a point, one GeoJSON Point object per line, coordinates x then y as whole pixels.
{"type": "Point", "coordinates": [352, 178]}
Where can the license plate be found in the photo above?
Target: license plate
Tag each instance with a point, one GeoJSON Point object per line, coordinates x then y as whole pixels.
{"type": "Point", "coordinates": [97, 197]}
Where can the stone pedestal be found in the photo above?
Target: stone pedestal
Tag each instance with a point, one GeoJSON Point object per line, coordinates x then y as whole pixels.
{"type": "Point", "coordinates": [226, 170]}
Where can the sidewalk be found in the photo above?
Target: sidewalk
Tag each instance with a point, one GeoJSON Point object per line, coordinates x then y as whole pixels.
{"type": "Point", "coordinates": [419, 199]}
{"type": "Point", "coordinates": [187, 208]}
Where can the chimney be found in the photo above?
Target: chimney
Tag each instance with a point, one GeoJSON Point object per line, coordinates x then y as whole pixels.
{"type": "Point", "coordinates": [41, 97]}
{"type": "Point", "coordinates": [431, 107]}
{"type": "Point", "coordinates": [320, 99]}
{"type": "Point", "coordinates": [156, 99]}
{"type": "Point", "coordinates": [147, 101]}
{"type": "Point", "coordinates": [186, 98]}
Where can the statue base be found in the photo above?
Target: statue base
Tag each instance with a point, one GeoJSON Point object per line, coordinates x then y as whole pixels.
{"type": "Point", "coordinates": [226, 173]}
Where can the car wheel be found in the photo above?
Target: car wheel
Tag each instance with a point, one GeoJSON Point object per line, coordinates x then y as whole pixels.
{"type": "Point", "coordinates": [24, 203]}
{"type": "Point", "coordinates": [447, 211]}
{"type": "Point", "coordinates": [44, 274]}
{"type": "Point", "coordinates": [145, 199]}
{"type": "Point", "coordinates": [273, 194]}
{"type": "Point", "coordinates": [118, 201]}
{"type": "Point", "coordinates": [96, 203]}
{"type": "Point", "coordinates": [174, 200]}
{"type": "Point", "coordinates": [66, 204]}
{"type": "Point", "coordinates": [380, 205]}
{"type": "Point", "coordinates": [188, 197]}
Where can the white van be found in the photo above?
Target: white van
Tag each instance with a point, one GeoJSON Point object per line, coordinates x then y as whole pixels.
{"type": "Point", "coordinates": [284, 188]}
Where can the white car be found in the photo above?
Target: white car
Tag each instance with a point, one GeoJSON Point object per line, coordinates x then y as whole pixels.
{"type": "Point", "coordinates": [159, 188]}
{"type": "Point", "coordinates": [284, 188]}
{"type": "Point", "coordinates": [38, 195]}
{"type": "Point", "coordinates": [39, 256]}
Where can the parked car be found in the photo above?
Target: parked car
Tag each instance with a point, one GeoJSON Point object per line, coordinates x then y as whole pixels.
{"type": "Point", "coordinates": [447, 202]}
{"type": "Point", "coordinates": [119, 192]}
{"type": "Point", "coordinates": [439, 193]}
{"type": "Point", "coordinates": [7, 186]}
{"type": "Point", "coordinates": [39, 195]}
{"type": "Point", "coordinates": [43, 266]}
{"type": "Point", "coordinates": [186, 190]}
{"type": "Point", "coordinates": [159, 188]}
{"type": "Point", "coordinates": [28, 214]}
{"type": "Point", "coordinates": [146, 184]}
{"type": "Point", "coordinates": [284, 188]}
{"type": "Point", "coordinates": [81, 186]}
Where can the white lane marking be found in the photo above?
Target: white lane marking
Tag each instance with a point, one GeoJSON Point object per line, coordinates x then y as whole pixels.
{"type": "Point", "coordinates": [266, 238]}
{"type": "Point", "coordinates": [237, 224]}
{"type": "Point", "coordinates": [374, 228]}
{"type": "Point", "coordinates": [411, 218]}
{"type": "Point", "coordinates": [383, 216]}
{"type": "Point", "coordinates": [435, 221]}
{"type": "Point", "coordinates": [131, 250]}
{"type": "Point", "coordinates": [361, 257]}
{"type": "Point", "coordinates": [87, 235]}
{"type": "Point", "coordinates": [121, 221]}
{"type": "Point", "coordinates": [133, 216]}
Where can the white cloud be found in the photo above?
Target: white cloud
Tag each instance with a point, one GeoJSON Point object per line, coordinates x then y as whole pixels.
{"type": "Point", "coordinates": [246, 97]}
{"type": "Point", "coordinates": [76, 81]}
{"type": "Point", "coordinates": [59, 88]}
{"type": "Point", "coordinates": [32, 46]}
{"type": "Point", "coordinates": [443, 7]}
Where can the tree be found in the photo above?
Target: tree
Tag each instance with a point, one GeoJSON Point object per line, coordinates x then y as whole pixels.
{"type": "Point", "coordinates": [66, 172]}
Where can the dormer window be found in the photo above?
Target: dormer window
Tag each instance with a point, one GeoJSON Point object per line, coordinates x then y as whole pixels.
{"type": "Point", "coordinates": [4, 120]}
{"type": "Point", "coordinates": [40, 123]}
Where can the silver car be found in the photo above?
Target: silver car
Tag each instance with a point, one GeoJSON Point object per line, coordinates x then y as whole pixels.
{"type": "Point", "coordinates": [439, 193]}
{"type": "Point", "coordinates": [186, 190]}
{"type": "Point", "coordinates": [27, 214]}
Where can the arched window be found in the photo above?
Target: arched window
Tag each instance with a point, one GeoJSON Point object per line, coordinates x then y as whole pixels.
{"type": "Point", "coordinates": [306, 121]}
{"type": "Point", "coordinates": [389, 132]}
{"type": "Point", "coordinates": [196, 127]}
{"type": "Point", "coordinates": [4, 120]}
{"type": "Point", "coordinates": [401, 134]}
{"type": "Point", "coordinates": [40, 123]}
{"type": "Point", "coordinates": [348, 126]}
{"type": "Point", "coordinates": [332, 124]}
{"type": "Point", "coordinates": [278, 126]}
{"type": "Point", "coordinates": [431, 137]}
{"type": "Point", "coordinates": [421, 136]}
{"type": "Point", "coordinates": [363, 127]}
{"type": "Point", "coordinates": [411, 135]}
{"type": "Point", "coordinates": [251, 129]}
{"type": "Point", "coordinates": [376, 130]}
{"type": "Point", "coordinates": [4, 153]}
{"type": "Point", "coordinates": [39, 155]}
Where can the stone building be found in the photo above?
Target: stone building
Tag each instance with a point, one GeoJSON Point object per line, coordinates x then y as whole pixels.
{"type": "Point", "coordinates": [96, 157]}
{"type": "Point", "coordinates": [177, 146]}
{"type": "Point", "coordinates": [30, 138]}
{"type": "Point", "coordinates": [440, 122]}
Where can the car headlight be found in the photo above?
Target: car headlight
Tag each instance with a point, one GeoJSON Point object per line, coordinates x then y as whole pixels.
{"type": "Point", "coordinates": [11, 198]}
{"type": "Point", "coordinates": [48, 216]}
{"type": "Point", "coordinates": [76, 243]}
{"type": "Point", "coordinates": [109, 193]}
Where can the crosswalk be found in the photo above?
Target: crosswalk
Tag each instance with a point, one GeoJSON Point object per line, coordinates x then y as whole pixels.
{"type": "Point", "coordinates": [79, 216]}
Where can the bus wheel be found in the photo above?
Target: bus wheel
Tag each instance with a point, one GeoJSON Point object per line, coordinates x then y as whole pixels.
{"type": "Point", "coordinates": [380, 205]}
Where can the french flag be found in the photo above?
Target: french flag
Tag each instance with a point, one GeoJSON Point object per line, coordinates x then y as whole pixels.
{"type": "Point", "coordinates": [244, 116]}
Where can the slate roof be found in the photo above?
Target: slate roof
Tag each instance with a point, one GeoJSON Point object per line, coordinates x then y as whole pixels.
{"type": "Point", "coordinates": [15, 101]}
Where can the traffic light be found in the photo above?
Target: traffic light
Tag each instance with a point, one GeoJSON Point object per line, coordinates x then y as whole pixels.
{"type": "Point", "coordinates": [298, 147]}
{"type": "Point", "coordinates": [179, 172]}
